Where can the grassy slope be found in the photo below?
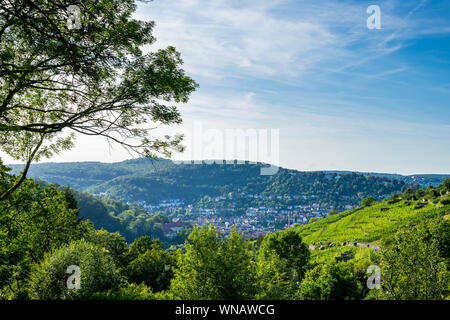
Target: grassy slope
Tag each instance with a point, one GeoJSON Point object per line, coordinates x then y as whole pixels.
{"type": "Point", "coordinates": [366, 224]}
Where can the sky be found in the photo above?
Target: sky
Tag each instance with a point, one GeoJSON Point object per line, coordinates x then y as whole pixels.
{"type": "Point", "coordinates": [341, 95]}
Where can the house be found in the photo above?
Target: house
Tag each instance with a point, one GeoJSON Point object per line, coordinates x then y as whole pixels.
{"type": "Point", "coordinates": [172, 228]}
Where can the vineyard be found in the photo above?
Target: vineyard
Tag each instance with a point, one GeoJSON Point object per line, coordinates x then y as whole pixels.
{"type": "Point", "coordinates": [367, 225]}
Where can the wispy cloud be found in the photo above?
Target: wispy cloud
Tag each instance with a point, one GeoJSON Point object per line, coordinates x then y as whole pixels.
{"type": "Point", "coordinates": [335, 89]}
{"type": "Point", "coordinates": [277, 40]}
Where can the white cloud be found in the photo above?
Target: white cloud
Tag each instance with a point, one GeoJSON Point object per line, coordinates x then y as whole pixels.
{"type": "Point", "coordinates": [218, 39]}
{"type": "Point", "coordinates": [276, 39]}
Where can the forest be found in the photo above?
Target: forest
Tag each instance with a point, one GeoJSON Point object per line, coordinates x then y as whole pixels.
{"type": "Point", "coordinates": [159, 179]}
{"type": "Point", "coordinates": [43, 236]}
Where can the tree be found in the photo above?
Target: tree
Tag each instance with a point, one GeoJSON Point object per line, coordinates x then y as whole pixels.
{"type": "Point", "coordinates": [446, 184]}
{"type": "Point", "coordinates": [214, 267]}
{"type": "Point", "coordinates": [281, 264]}
{"type": "Point", "coordinates": [414, 263]}
{"type": "Point", "coordinates": [58, 78]}
{"type": "Point", "coordinates": [367, 202]}
{"type": "Point", "coordinates": [113, 243]}
{"type": "Point", "coordinates": [141, 246]}
{"type": "Point", "coordinates": [33, 221]}
{"type": "Point", "coordinates": [288, 246]}
{"type": "Point", "coordinates": [273, 283]}
{"type": "Point", "coordinates": [132, 292]}
{"type": "Point", "coordinates": [329, 282]}
{"type": "Point", "coordinates": [154, 268]}
{"type": "Point", "coordinates": [420, 193]}
{"type": "Point", "coordinates": [97, 273]}
{"type": "Point", "coordinates": [408, 194]}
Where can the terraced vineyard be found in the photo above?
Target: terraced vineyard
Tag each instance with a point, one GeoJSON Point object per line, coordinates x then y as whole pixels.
{"type": "Point", "coordinates": [367, 225]}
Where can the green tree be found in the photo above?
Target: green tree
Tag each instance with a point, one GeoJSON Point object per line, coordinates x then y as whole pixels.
{"type": "Point", "coordinates": [273, 282]}
{"type": "Point", "coordinates": [408, 194]}
{"type": "Point", "coordinates": [446, 184]}
{"type": "Point", "coordinates": [420, 193]}
{"type": "Point", "coordinates": [33, 221]}
{"type": "Point", "coordinates": [154, 268]}
{"type": "Point", "coordinates": [141, 246]}
{"type": "Point", "coordinates": [281, 264]}
{"type": "Point", "coordinates": [113, 243]}
{"type": "Point", "coordinates": [414, 263]}
{"type": "Point", "coordinates": [366, 202]}
{"type": "Point", "coordinates": [329, 282]}
{"type": "Point", "coordinates": [91, 78]}
{"type": "Point", "coordinates": [288, 246]}
{"type": "Point", "coordinates": [97, 273]}
{"type": "Point", "coordinates": [214, 267]}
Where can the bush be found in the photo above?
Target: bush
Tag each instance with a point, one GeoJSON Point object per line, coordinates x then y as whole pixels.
{"type": "Point", "coordinates": [329, 282]}
{"type": "Point", "coordinates": [281, 263]}
{"type": "Point", "coordinates": [97, 273]}
{"type": "Point", "coordinates": [414, 263]}
{"type": "Point", "coordinates": [214, 267]}
{"type": "Point", "coordinates": [367, 202]}
{"type": "Point", "coordinates": [446, 184]}
{"type": "Point", "coordinates": [154, 268]}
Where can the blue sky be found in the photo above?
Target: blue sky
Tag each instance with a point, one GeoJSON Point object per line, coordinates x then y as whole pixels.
{"type": "Point", "coordinates": [343, 97]}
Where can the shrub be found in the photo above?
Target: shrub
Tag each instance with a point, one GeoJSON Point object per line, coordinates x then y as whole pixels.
{"type": "Point", "coordinates": [329, 282]}
{"type": "Point", "coordinates": [49, 279]}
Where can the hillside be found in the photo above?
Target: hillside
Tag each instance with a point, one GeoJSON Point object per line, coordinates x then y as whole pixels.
{"type": "Point", "coordinates": [142, 180]}
{"type": "Point", "coordinates": [367, 225]}
{"type": "Point", "coordinates": [130, 220]}
{"type": "Point", "coordinates": [362, 229]}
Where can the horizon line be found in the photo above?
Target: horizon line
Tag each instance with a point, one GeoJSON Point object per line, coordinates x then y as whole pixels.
{"type": "Point", "coordinates": [224, 160]}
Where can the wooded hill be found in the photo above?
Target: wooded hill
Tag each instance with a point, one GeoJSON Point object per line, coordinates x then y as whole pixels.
{"type": "Point", "coordinates": [153, 181]}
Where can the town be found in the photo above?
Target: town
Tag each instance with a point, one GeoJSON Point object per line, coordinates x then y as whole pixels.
{"type": "Point", "coordinates": [226, 212]}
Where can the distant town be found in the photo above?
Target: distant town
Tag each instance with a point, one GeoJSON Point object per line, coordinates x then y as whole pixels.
{"type": "Point", "coordinates": [252, 221]}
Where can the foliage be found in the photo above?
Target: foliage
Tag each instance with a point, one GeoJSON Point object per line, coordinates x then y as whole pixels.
{"type": "Point", "coordinates": [33, 221]}
{"type": "Point", "coordinates": [154, 267]}
{"type": "Point", "coordinates": [93, 79]}
{"type": "Point", "coordinates": [131, 292]}
{"type": "Point", "coordinates": [412, 265]}
{"type": "Point", "coordinates": [214, 267]}
{"type": "Point", "coordinates": [281, 264]}
{"type": "Point", "coordinates": [329, 282]}
{"type": "Point", "coordinates": [366, 202]}
{"type": "Point", "coordinates": [273, 283]}
{"type": "Point", "coordinates": [49, 279]}
{"type": "Point", "coordinates": [446, 184]}
{"type": "Point", "coordinates": [287, 245]}
{"type": "Point", "coordinates": [160, 179]}
{"type": "Point", "coordinates": [112, 243]}
{"type": "Point", "coordinates": [130, 220]}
